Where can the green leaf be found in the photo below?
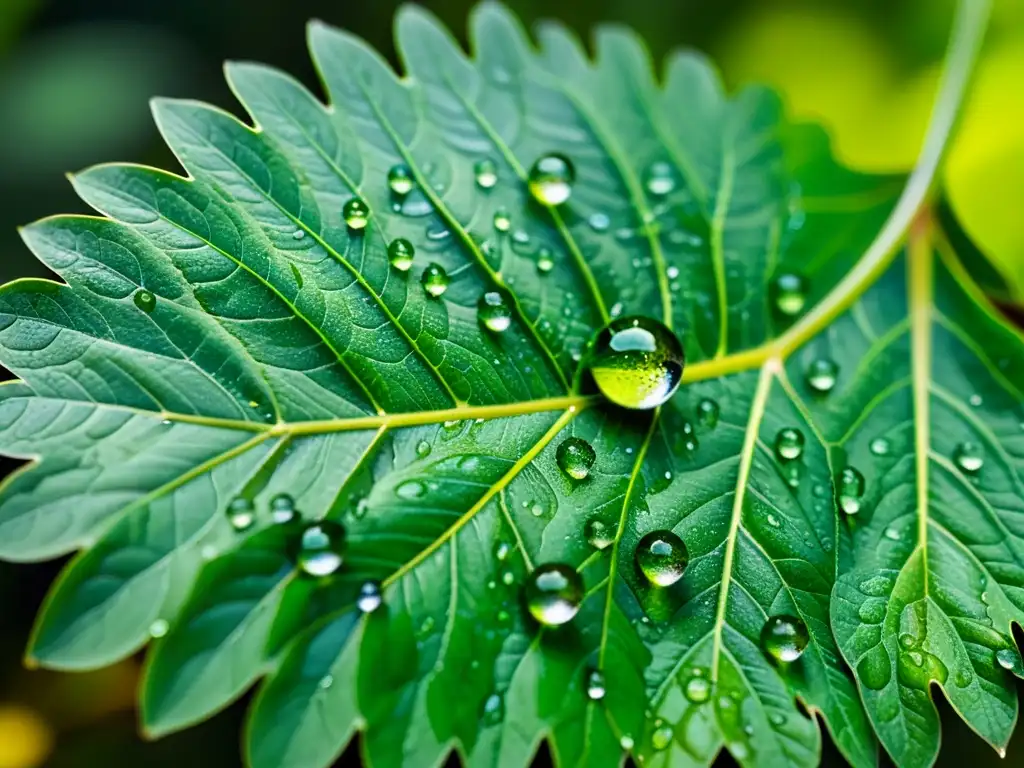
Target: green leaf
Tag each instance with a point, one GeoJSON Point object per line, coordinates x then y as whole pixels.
{"type": "Point", "coordinates": [228, 336]}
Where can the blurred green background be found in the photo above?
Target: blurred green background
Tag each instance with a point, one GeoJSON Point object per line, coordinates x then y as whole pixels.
{"type": "Point", "coordinates": [75, 78]}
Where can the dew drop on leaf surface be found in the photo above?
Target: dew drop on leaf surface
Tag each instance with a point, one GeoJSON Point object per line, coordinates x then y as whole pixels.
{"type": "Point", "coordinates": [698, 689]}
{"type": "Point", "coordinates": [659, 179]}
{"type": "Point", "coordinates": [400, 180]}
{"type": "Point", "coordinates": [789, 294]}
{"type": "Point", "coordinates": [434, 280]}
{"type": "Point", "coordinates": [401, 253]}
{"type": "Point", "coordinates": [502, 220]}
{"type": "Point", "coordinates": [821, 375]}
{"type": "Point", "coordinates": [320, 548]}
{"type": "Point", "coordinates": [636, 362]}
{"type": "Point", "coordinates": [282, 509]}
{"type": "Point", "coordinates": [370, 597]}
{"type": "Point", "coordinates": [784, 638]}
{"type": "Point", "coordinates": [575, 457]}
{"type": "Point", "coordinates": [596, 688]}
{"type": "Point", "coordinates": [356, 214]}
{"type": "Point", "coordinates": [850, 490]}
{"type": "Point", "coordinates": [598, 533]}
{"type": "Point", "coordinates": [707, 413]}
{"type": "Point", "coordinates": [241, 513]}
{"type": "Point", "coordinates": [144, 300]}
{"type": "Point", "coordinates": [662, 557]}
{"type": "Point", "coordinates": [553, 593]}
{"type": "Point", "coordinates": [969, 457]}
{"type": "Point", "coordinates": [545, 261]}
{"type": "Point", "coordinates": [789, 444]}
{"type": "Point", "coordinates": [551, 179]}
{"type": "Point", "coordinates": [494, 311]}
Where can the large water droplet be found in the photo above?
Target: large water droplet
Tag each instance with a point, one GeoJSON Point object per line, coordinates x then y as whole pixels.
{"type": "Point", "coordinates": [850, 490]}
{"type": "Point", "coordinates": [551, 179]}
{"type": "Point", "coordinates": [789, 293]}
{"type": "Point", "coordinates": [636, 362]}
{"type": "Point", "coordinates": [159, 628]}
{"type": "Point", "coordinates": [789, 444]}
{"type": "Point", "coordinates": [784, 638]}
{"type": "Point", "coordinates": [662, 557]}
{"type": "Point", "coordinates": [434, 280]}
{"type": "Point", "coordinates": [659, 178]}
{"type": "Point", "coordinates": [661, 738]}
{"type": "Point", "coordinates": [1009, 659]}
{"type": "Point", "coordinates": [874, 669]}
{"type": "Point", "coordinates": [575, 456]}
{"type": "Point", "coordinates": [486, 173]}
{"type": "Point", "coordinates": [598, 533]}
{"type": "Point", "coordinates": [241, 513]}
{"type": "Point", "coordinates": [595, 685]}
{"type": "Point", "coordinates": [320, 549]}
{"type": "Point", "coordinates": [401, 253]}
{"type": "Point", "coordinates": [626, 742]}
{"type": "Point", "coordinates": [707, 413]}
{"type": "Point", "coordinates": [282, 509]}
{"type": "Point", "coordinates": [370, 597]}
{"type": "Point", "coordinates": [144, 300]}
{"type": "Point", "coordinates": [356, 214]}
{"type": "Point", "coordinates": [400, 180]}
{"type": "Point", "coordinates": [553, 593]}
{"type": "Point", "coordinates": [821, 375]}
{"type": "Point", "coordinates": [969, 457]}
{"type": "Point", "coordinates": [698, 689]}
{"type": "Point", "coordinates": [495, 311]}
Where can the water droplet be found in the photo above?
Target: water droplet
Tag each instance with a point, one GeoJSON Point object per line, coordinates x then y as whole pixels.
{"type": "Point", "coordinates": [356, 214]}
{"type": "Point", "coordinates": [599, 534]}
{"type": "Point", "coordinates": [595, 685]}
{"type": "Point", "coordinates": [159, 628]}
{"type": "Point", "coordinates": [144, 300]}
{"type": "Point", "coordinates": [493, 709]}
{"type": "Point", "coordinates": [975, 400]}
{"type": "Point", "coordinates": [282, 509]}
{"type": "Point", "coordinates": [400, 180]}
{"type": "Point", "coordinates": [434, 280]}
{"type": "Point", "coordinates": [874, 670]}
{"type": "Point", "coordinates": [879, 446]}
{"type": "Point", "coordinates": [707, 413]}
{"type": "Point", "coordinates": [553, 593]}
{"type": "Point", "coordinates": [872, 610]}
{"type": "Point", "coordinates": [575, 457]}
{"type": "Point", "coordinates": [551, 179]}
{"type": "Point", "coordinates": [626, 742]}
{"type": "Point", "coordinates": [876, 586]}
{"type": "Point", "coordinates": [370, 597]}
{"type": "Point", "coordinates": [789, 294]}
{"type": "Point", "coordinates": [298, 234]}
{"type": "Point", "coordinates": [494, 311]}
{"type": "Point", "coordinates": [789, 444]}
{"type": "Point", "coordinates": [784, 638]}
{"type": "Point", "coordinates": [662, 557]}
{"type": "Point", "coordinates": [636, 362]}
{"type": "Point", "coordinates": [773, 521]}
{"type": "Point", "coordinates": [502, 551]}
{"type": "Point", "coordinates": [661, 738]}
{"type": "Point", "coordinates": [502, 220]}
{"type": "Point", "coordinates": [410, 489]}
{"type": "Point", "coordinates": [659, 178]}
{"type": "Point", "coordinates": [777, 719]}
{"type": "Point", "coordinates": [401, 253]}
{"type": "Point", "coordinates": [969, 457]}
{"type": "Point", "coordinates": [486, 173]}
{"type": "Point", "coordinates": [698, 690]}
{"type": "Point", "coordinates": [892, 533]}
{"type": "Point", "coordinates": [326, 682]}
{"type": "Point", "coordinates": [821, 375]}
{"type": "Point", "coordinates": [320, 548]}
{"type": "Point", "coordinates": [422, 449]}
{"type": "Point", "coordinates": [599, 222]}
{"type": "Point", "coordinates": [850, 490]}
{"type": "Point", "coordinates": [1009, 659]}
{"type": "Point", "coordinates": [545, 261]}
{"type": "Point", "coordinates": [241, 513]}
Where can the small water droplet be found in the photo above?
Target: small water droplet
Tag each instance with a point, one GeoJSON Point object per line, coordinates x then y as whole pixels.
{"type": "Point", "coordinates": [545, 261]}
{"type": "Point", "coordinates": [698, 689]}
{"type": "Point", "coordinates": [486, 173]}
{"type": "Point", "coordinates": [326, 682]}
{"type": "Point", "coordinates": [595, 685]}
{"type": "Point", "coordinates": [400, 180]}
{"type": "Point", "coordinates": [356, 214]}
{"type": "Point", "coordinates": [636, 362]}
{"type": "Point", "coordinates": [144, 300]}
{"type": "Point", "coordinates": [575, 457]}
{"type": "Point", "coordinates": [850, 490]}
{"type": "Point", "coordinates": [553, 593]}
{"type": "Point", "coordinates": [599, 534]}
{"type": "Point", "coordinates": [502, 220]}
{"type": "Point", "coordinates": [784, 638]}
{"type": "Point", "coordinates": [241, 513]}
{"type": "Point", "coordinates": [502, 551]}
{"type": "Point", "coordinates": [422, 449]}
{"type": "Point", "coordinates": [494, 311]}
{"type": "Point", "coordinates": [320, 548]}
{"type": "Point", "coordinates": [370, 597]}
{"type": "Point", "coordinates": [434, 280]}
{"type": "Point", "coordinates": [661, 738]}
{"type": "Point", "coordinates": [975, 400]}
{"type": "Point", "coordinates": [879, 446]}
{"type": "Point", "coordinates": [282, 509]}
{"type": "Point", "coordinates": [892, 533]}
{"type": "Point", "coordinates": [821, 375]}
{"type": "Point", "coordinates": [626, 742]}
{"type": "Point", "coordinates": [789, 444]}
{"type": "Point", "coordinates": [662, 557]}
{"type": "Point", "coordinates": [599, 222]}
{"type": "Point", "coordinates": [410, 489]}
{"type": "Point", "coordinates": [401, 253]}
{"type": "Point", "coordinates": [969, 457]}
{"type": "Point", "coordinates": [789, 293]}
{"type": "Point", "coordinates": [159, 628]}
{"type": "Point", "coordinates": [298, 234]}
{"type": "Point", "coordinates": [707, 413]}
{"type": "Point", "coordinates": [659, 178]}
{"type": "Point", "coordinates": [551, 179]}
{"type": "Point", "coordinates": [1009, 659]}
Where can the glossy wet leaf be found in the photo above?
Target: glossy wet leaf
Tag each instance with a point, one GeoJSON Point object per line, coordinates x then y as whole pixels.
{"type": "Point", "coordinates": [281, 351]}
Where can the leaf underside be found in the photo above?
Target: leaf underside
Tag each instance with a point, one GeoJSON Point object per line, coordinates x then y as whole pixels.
{"type": "Point", "coordinates": [285, 355]}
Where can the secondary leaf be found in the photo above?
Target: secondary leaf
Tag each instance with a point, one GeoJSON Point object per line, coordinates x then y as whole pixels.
{"type": "Point", "coordinates": [234, 343]}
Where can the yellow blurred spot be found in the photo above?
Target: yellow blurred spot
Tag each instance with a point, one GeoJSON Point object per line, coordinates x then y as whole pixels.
{"type": "Point", "coordinates": [25, 738]}
{"type": "Point", "coordinates": [984, 174]}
